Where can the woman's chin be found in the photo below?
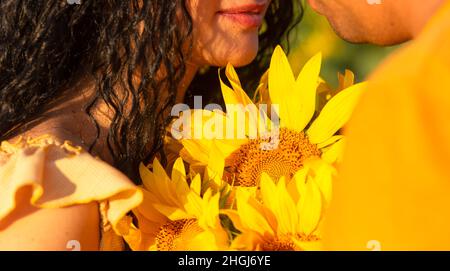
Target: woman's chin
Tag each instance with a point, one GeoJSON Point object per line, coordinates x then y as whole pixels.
{"type": "Point", "coordinates": [243, 59]}
{"type": "Point", "coordinates": [238, 52]}
{"type": "Point", "coordinates": [240, 56]}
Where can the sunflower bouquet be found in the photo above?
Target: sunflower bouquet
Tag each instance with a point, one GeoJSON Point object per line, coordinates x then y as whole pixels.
{"type": "Point", "coordinates": [257, 176]}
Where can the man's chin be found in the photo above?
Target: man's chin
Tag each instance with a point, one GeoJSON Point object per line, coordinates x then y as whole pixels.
{"type": "Point", "coordinates": [379, 40]}
{"type": "Point", "coordinates": [347, 31]}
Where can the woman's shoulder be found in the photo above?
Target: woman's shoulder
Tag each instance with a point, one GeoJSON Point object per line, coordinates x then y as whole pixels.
{"type": "Point", "coordinates": [61, 171]}
{"type": "Point", "coordinates": [61, 174]}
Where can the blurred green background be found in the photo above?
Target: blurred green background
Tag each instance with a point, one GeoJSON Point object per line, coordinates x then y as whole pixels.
{"type": "Point", "coordinates": [314, 34]}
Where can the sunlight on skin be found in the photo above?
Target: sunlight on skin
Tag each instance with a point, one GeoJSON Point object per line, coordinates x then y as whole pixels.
{"type": "Point", "coordinates": [384, 22]}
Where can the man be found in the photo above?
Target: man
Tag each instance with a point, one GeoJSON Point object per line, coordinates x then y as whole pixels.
{"type": "Point", "coordinates": [394, 187]}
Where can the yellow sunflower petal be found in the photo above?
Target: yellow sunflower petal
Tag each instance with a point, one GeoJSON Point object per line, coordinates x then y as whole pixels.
{"type": "Point", "coordinates": [227, 147]}
{"type": "Point", "coordinates": [268, 189]}
{"type": "Point", "coordinates": [330, 141]}
{"type": "Point", "coordinates": [286, 216]}
{"type": "Point", "coordinates": [308, 245]}
{"type": "Point", "coordinates": [250, 218]}
{"type": "Point", "coordinates": [247, 241]}
{"type": "Point", "coordinates": [214, 171]}
{"type": "Point", "coordinates": [281, 84]}
{"type": "Point", "coordinates": [323, 177]}
{"type": "Point", "coordinates": [309, 206]}
{"type": "Point", "coordinates": [209, 240]}
{"type": "Point", "coordinates": [254, 118]}
{"type": "Point", "coordinates": [163, 186]}
{"type": "Point", "coordinates": [229, 96]}
{"type": "Point", "coordinates": [335, 114]}
{"type": "Point", "coordinates": [210, 216]}
{"type": "Point", "coordinates": [172, 213]}
{"type": "Point", "coordinates": [179, 178]}
{"type": "Point", "coordinates": [236, 84]}
{"type": "Point", "coordinates": [196, 150]}
{"type": "Point", "coordinates": [236, 102]}
{"type": "Point", "coordinates": [235, 218]}
{"type": "Point", "coordinates": [232, 75]}
{"type": "Point", "coordinates": [159, 171]}
{"type": "Point", "coordinates": [194, 205]}
{"type": "Point", "coordinates": [147, 210]}
{"type": "Point", "coordinates": [178, 171]}
{"type": "Point", "coordinates": [142, 238]}
{"type": "Point", "coordinates": [262, 92]}
{"type": "Point", "coordinates": [304, 106]}
{"type": "Point", "coordinates": [146, 176]}
{"type": "Point", "coordinates": [196, 184]}
{"type": "Point", "coordinates": [334, 153]}
{"type": "Point", "coordinates": [299, 176]}
{"type": "Point", "coordinates": [346, 80]}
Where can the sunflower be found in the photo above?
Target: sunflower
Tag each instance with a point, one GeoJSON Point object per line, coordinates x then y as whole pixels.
{"type": "Point", "coordinates": [286, 215]}
{"type": "Point", "coordinates": [175, 215]}
{"type": "Point", "coordinates": [302, 133]}
{"type": "Point", "coordinates": [325, 92]}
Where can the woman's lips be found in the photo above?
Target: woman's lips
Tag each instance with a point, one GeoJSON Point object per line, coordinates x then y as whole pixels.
{"type": "Point", "coordinates": [246, 19]}
{"type": "Point", "coordinates": [250, 16]}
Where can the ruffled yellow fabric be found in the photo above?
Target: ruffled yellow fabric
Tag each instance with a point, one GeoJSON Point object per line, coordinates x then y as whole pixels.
{"type": "Point", "coordinates": [62, 175]}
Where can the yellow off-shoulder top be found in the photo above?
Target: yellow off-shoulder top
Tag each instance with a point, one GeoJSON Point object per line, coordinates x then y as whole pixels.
{"type": "Point", "coordinates": [62, 175]}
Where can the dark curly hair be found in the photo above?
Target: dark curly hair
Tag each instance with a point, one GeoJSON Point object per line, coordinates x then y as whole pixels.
{"type": "Point", "coordinates": [46, 46]}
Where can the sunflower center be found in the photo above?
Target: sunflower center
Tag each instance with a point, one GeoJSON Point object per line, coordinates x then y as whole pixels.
{"type": "Point", "coordinates": [174, 235]}
{"type": "Point", "coordinates": [285, 243]}
{"type": "Point", "coordinates": [279, 244]}
{"type": "Point", "coordinates": [280, 154]}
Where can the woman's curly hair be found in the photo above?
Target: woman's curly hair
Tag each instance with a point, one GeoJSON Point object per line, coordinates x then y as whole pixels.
{"type": "Point", "coordinates": [46, 46]}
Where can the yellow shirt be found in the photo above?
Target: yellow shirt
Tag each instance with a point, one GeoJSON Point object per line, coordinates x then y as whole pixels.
{"type": "Point", "coordinates": [394, 186]}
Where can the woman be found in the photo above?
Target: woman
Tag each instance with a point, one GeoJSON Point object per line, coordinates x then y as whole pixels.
{"type": "Point", "coordinates": [84, 94]}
